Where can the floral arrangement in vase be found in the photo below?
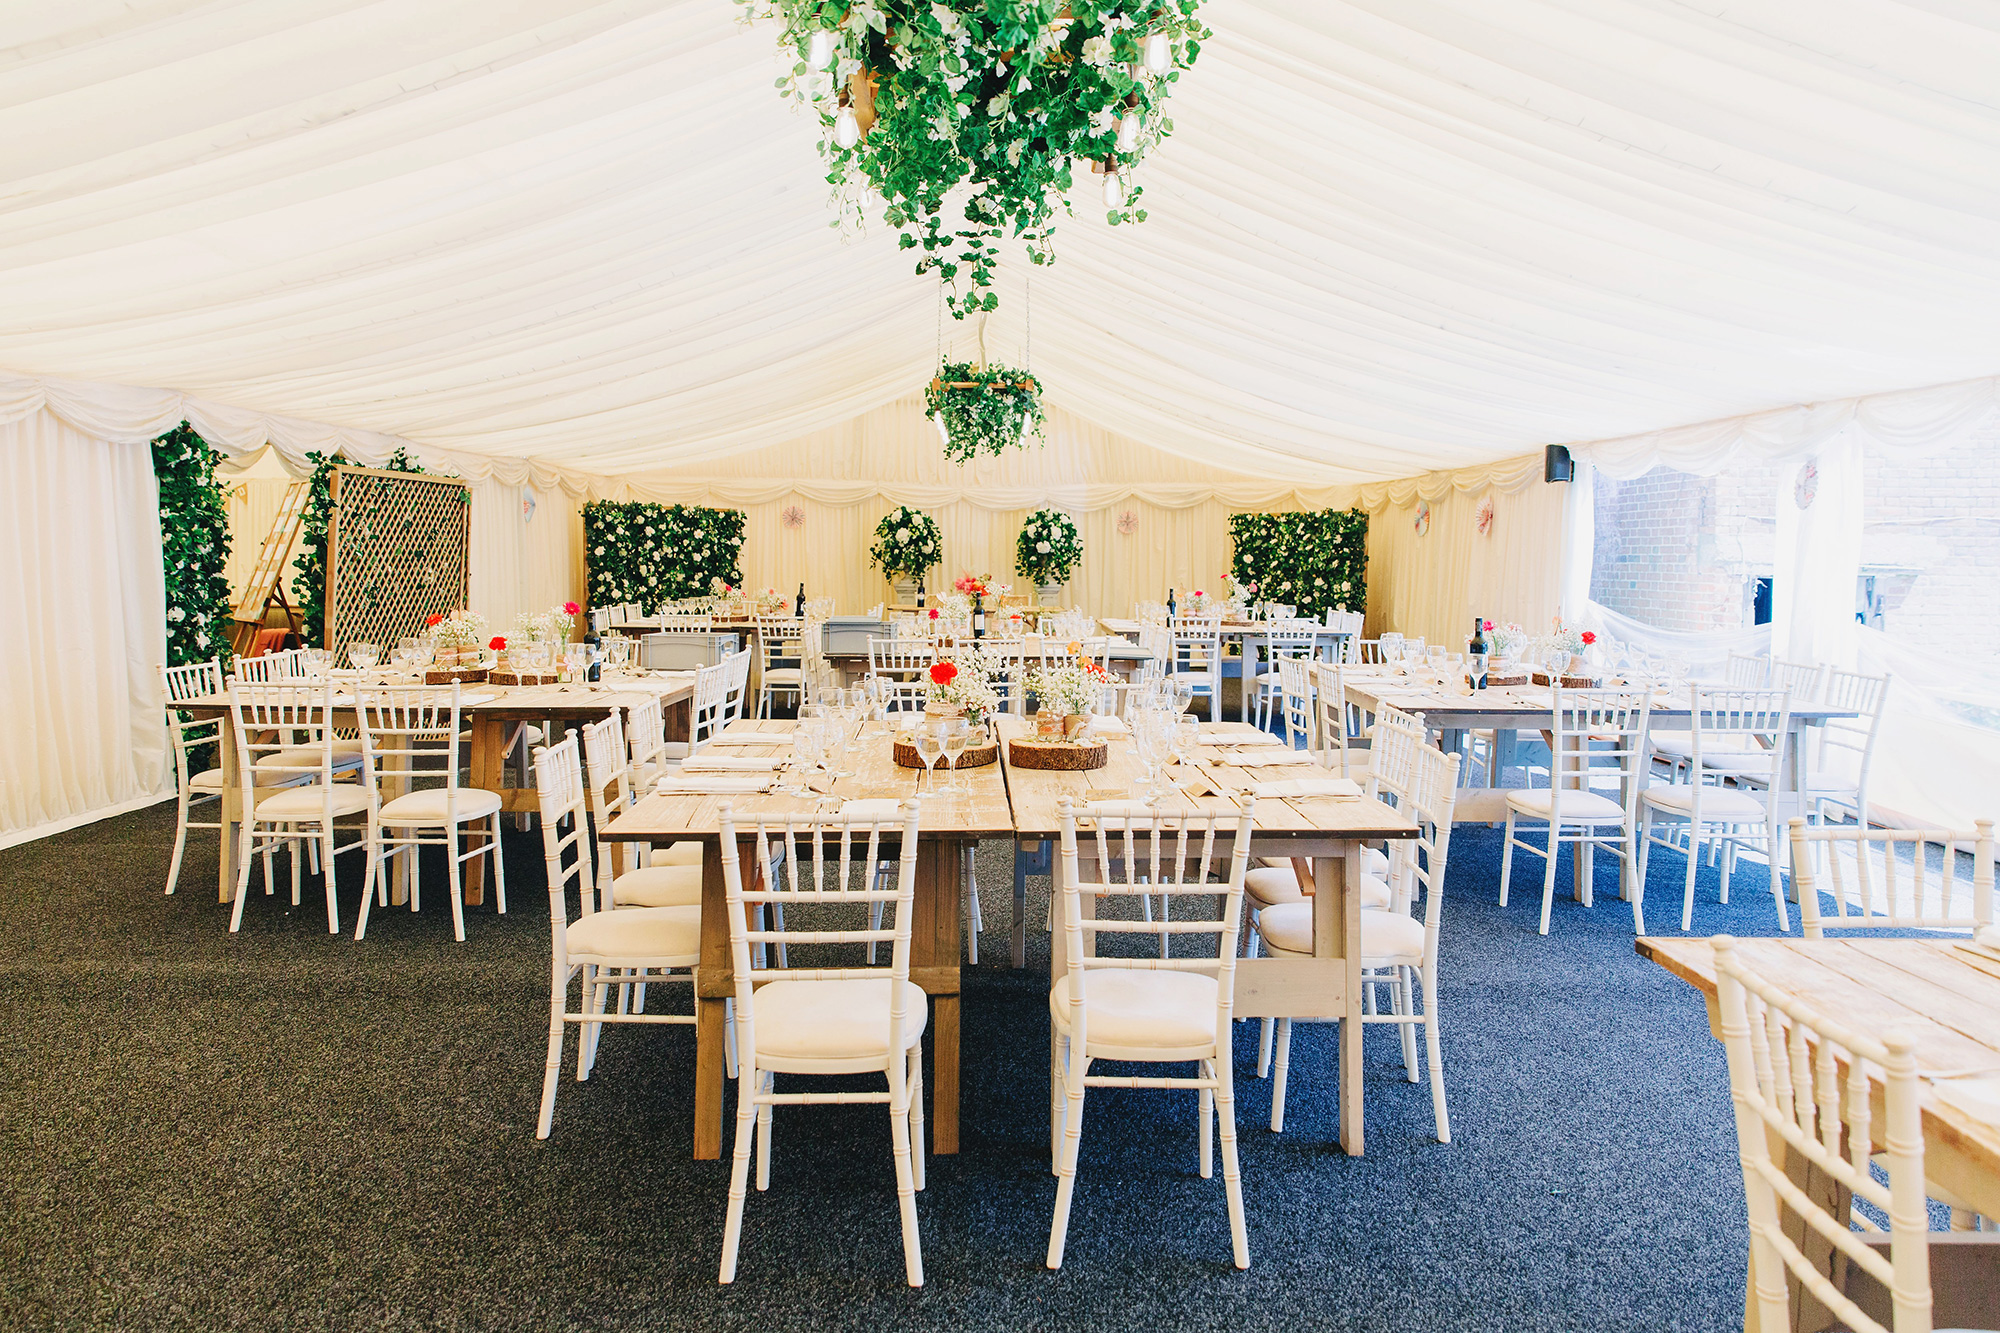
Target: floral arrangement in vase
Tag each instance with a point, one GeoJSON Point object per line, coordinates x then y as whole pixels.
{"type": "Point", "coordinates": [961, 682]}
{"type": "Point", "coordinates": [456, 638]}
{"type": "Point", "coordinates": [1069, 691]}
{"type": "Point", "coordinates": [718, 587]}
{"type": "Point", "coordinates": [1569, 638]}
{"type": "Point", "coordinates": [551, 627]}
{"type": "Point", "coordinates": [1048, 549]}
{"type": "Point", "coordinates": [1504, 642]}
{"type": "Point", "coordinates": [907, 542]}
{"type": "Point", "coordinates": [771, 601]}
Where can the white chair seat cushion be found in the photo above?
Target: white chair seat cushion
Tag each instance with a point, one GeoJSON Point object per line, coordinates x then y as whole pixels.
{"type": "Point", "coordinates": [346, 745]}
{"type": "Point", "coordinates": [783, 676]}
{"type": "Point", "coordinates": [658, 886]}
{"type": "Point", "coordinates": [678, 854]}
{"type": "Point", "coordinates": [1268, 886]}
{"type": "Point", "coordinates": [532, 735]}
{"type": "Point", "coordinates": [1387, 938]}
{"type": "Point", "coordinates": [1717, 803]}
{"type": "Point", "coordinates": [1753, 763]}
{"type": "Point", "coordinates": [1680, 744]}
{"type": "Point", "coordinates": [1132, 1010]}
{"type": "Point", "coordinates": [210, 779]}
{"type": "Point", "coordinates": [1373, 862]}
{"type": "Point", "coordinates": [309, 802]}
{"type": "Point", "coordinates": [1581, 806]}
{"type": "Point", "coordinates": [670, 936]}
{"type": "Point", "coordinates": [428, 807]}
{"type": "Point", "coordinates": [834, 1021]}
{"type": "Point", "coordinates": [303, 757]}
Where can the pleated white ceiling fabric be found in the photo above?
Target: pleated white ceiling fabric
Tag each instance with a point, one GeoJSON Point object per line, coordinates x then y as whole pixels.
{"type": "Point", "coordinates": [1387, 236]}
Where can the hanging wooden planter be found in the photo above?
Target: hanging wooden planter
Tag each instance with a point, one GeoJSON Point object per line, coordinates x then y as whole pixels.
{"type": "Point", "coordinates": [983, 409]}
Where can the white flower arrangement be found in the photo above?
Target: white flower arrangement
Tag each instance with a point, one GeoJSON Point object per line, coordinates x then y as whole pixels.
{"type": "Point", "coordinates": [460, 630]}
{"type": "Point", "coordinates": [907, 542]}
{"type": "Point", "coordinates": [552, 626]}
{"type": "Point", "coordinates": [963, 678]}
{"type": "Point", "coordinates": [1068, 689]}
{"type": "Point", "coordinates": [1048, 548]}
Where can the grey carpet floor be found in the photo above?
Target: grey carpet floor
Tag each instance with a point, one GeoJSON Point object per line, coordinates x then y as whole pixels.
{"type": "Point", "coordinates": [288, 1130]}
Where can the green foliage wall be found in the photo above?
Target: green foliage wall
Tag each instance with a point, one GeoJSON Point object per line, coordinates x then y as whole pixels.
{"type": "Point", "coordinates": [650, 554]}
{"type": "Point", "coordinates": [194, 546]}
{"type": "Point", "coordinates": [1314, 560]}
{"type": "Point", "coordinates": [309, 588]}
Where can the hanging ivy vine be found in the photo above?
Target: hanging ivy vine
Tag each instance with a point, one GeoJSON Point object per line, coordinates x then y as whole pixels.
{"type": "Point", "coordinates": [194, 546]}
{"type": "Point", "coordinates": [309, 587]}
{"type": "Point", "coordinates": [983, 410]}
{"type": "Point", "coordinates": [1003, 97]}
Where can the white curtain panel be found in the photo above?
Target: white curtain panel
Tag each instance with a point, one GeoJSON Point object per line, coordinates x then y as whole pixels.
{"type": "Point", "coordinates": [82, 730]}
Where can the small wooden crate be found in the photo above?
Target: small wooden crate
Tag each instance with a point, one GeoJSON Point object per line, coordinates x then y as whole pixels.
{"type": "Point", "coordinates": [456, 676]}
{"type": "Point", "coordinates": [1058, 756]}
{"type": "Point", "coordinates": [973, 757]}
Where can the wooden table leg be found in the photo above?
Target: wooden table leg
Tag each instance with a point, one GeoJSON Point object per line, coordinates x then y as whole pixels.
{"type": "Point", "coordinates": [944, 1075]}
{"type": "Point", "coordinates": [713, 984]}
{"type": "Point", "coordinates": [231, 807]}
{"type": "Point", "coordinates": [1337, 934]}
{"type": "Point", "coordinates": [934, 944]}
{"type": "Point", "coordinates": [489, 769]}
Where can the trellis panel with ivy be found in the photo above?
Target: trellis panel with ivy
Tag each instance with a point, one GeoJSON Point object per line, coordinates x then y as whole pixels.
{"type": "Point", "coordinates": [652, 553]}
{"type": "Point", "coordinates": [1314, 560]}
{"type": "Point", "coordinates": [398, 552]}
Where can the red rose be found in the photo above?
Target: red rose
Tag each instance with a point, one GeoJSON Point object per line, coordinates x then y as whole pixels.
{"type": "Point", "coordinates": [434, 619]}
{"type": "Point", "coordinates": [496, 643]}
{"type": "Point", "coordinates": [943, 673]}
{"type": "Point", "coordinates": [934, 613]}
{"type": "Point", "coordinates": [1588, 638]}
{"type": "Point", "coordinates": [1486, 624]}
{"type": "Point", "coordinates": [571, 608]}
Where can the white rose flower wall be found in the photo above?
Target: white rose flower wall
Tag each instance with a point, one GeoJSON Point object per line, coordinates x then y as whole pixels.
{"type": "Point", "coordinates": [651, 553]}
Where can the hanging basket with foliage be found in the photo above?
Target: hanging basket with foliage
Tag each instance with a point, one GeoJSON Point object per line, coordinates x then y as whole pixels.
{"type": "Point", "coordinates": [1008, 98]}
{"type": "Point", "coordinates": [983, 409]}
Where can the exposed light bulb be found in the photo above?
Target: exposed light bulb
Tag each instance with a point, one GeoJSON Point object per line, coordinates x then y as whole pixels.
{"type": "Point", "coordinates": [846, 129]}
{"type": "Point", "coordinates": [1027, 428]}
{"type": "Point", "coordinates": [1128, 131]}
{"type": "Point", "coordinates": [820, 49]}
{"type": "Point", "coordinates": [943, 434]}
{"type": "Point", "coordinates": [1159, 53]}
{"type": "Point", "coordinates": [1114, 190]}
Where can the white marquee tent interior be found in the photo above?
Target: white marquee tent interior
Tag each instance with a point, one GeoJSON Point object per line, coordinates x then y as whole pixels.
{"type": "Point", "coordinates": [583, 251]}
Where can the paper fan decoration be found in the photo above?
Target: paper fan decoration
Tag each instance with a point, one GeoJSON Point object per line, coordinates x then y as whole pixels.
{"type": "Point", "coordinates": [1482, 517]}
{"type": "Point", "coordinates": [1423, 520]}
{"type": "Point", "coordinates": [1128, 523]}
{"type": "Point", "coordinates": [794, 516]}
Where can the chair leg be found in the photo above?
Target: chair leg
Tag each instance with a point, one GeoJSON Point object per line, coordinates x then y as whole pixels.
{"type": "Point", "coordinates": [739, 1172]}
{"type": "Point", "coordinates": [906, 1185]}
{"type": "Point", "coordinates": [455, 874]}
{"type": "Point", "coordinates": [765, 1114]}
{"type": "Point", "coordinates": [1506, 857]}
{"type": "Point", "coordinates": [1205, 1107]}
{"type": "Point", "coordinates": [595, 992]}
{"type": "Point", "coordinates": [1549, 870]}
{"type": "Point", "coordinates": [499, 869]}
{"type": "Point", "coordinates": [1772, 850]}
{"type": "Point", "coordinates": [1407, 1031]}
{"type": "Point", "coordinates": [1264, 1047]}
{"type": "Point", "coordinates": [243, 859]}
{"type": "Point", "coordinates": [558, 993]}
{"type": "Point", "coordinates": [1687, 894]}
{"type": "Point", "coordinates": [1634, 870]}
{"type": "Point", "coordinates": [1057, 1077]}
{"type": "Point", "coordinates": [1278, 1079]}
{"type": "Point", "coordinates": [1072, 1138]}
{"type": "Point", "coordinates": [728, 1037]}
{"type": "Point", "coordinates": [1232, 1173]}
{"type": "Point", "coordinates": [916, 1082]}
{"type": "Point", "coordinates": [970, 874]}
{"type": "Point", "coordinates": [1434, 1051]}
{"type": "Point", "coordinates": [371, 848]}
{"type": "Point", "coordinates": [180, 838]}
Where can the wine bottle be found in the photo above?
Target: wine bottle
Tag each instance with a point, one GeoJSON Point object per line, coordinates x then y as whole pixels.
{"type": "Point", "coordinates": [800, 610]}
{"type": "Point", "coordinates": [920, 594]}
{"type": "Point", "coordinates": [1170, 604]}
{"type": "Point", "coordinates": [1475, 649]}
{"type": "Point", "coordinates": [978, 617]}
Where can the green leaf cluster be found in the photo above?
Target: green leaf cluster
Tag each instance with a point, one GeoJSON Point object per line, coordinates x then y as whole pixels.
{"type": "Point", "coordinates": [1048, 547]}
{"type": "Point", "coordinates": [1314, 560]}
{"type": "Point", "coordinates": [1002, 411]}
{"type": "Point", "coordinates": [907, 542]}
{"type": "Point", "coordinates": [1004, 98]}
{"type": "Point", "coordinates": [194, 546]}
{"type": "Point", "coordinates": [653, 554]}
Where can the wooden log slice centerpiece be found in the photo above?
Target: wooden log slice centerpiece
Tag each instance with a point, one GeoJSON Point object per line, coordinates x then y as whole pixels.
{"type": "Point", "coordinates": [975, 756]}
{"type": "Point", "coordinates": [510, 677]}
{"type": "Point", "coordinates": [456, 676]}
{"type": "Point", "coordinates": [1058, 755]}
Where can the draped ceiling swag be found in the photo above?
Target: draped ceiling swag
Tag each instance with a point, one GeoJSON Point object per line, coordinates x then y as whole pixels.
{"type": "Point", "coordinates": [1388, 236]}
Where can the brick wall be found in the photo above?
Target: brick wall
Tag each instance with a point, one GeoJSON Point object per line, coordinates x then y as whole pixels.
{"type": "Point", "coordinates": [1931, 537]}
{"type": "Point", "coordinates": [1679, 551]}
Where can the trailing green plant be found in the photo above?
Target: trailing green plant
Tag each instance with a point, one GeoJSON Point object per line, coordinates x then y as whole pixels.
{"type": "Point", "coordinates": [907, 542]}
{"type": "Point", "coordinates": [983, 409]}
{"type": "Point", "coordinates": [1314, 560]}
{"type": "Point", "coordinates": [652, 554]}
{"type": "Point", "coordinates": [1002, 97]}
{"type": "Point", "coordinates": [1048, 547]}
{"type": "Point", "coordinates": [309, 587]}
{"type": "Point", "coordinates": [194, 546]}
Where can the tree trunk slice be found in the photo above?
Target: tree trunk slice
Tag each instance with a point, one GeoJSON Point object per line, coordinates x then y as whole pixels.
{"type": "Point", "coordinates": [974, 756]}
{"type": "Point", "coordinates": [524, 678]}
{"type": "Point", "coordinates": [1058, 756]}
{"type": "Point", "coordinates": [457, 676]}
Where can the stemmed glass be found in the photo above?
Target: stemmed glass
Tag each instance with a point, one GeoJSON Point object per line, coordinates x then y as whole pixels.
{"type": "Point", "coordinates": [955, 734]}
{"type": "Point", "coordinates": [930, 748]}
{"type": "Point", "coordinates": [808, 741]}
{"type": "Point", "coordinates": [838, 722]}
{"type": "Point", "coordinates": [364, 656]}
{"type": "Point", "coordinates": [1146, 741]}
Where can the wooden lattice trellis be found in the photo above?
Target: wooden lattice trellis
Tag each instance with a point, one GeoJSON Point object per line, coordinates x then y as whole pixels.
{"type": "Point", "coordinates": [397, 552]}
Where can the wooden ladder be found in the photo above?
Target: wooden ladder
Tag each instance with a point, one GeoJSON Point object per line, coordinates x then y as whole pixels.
{"type": "Point", "coordinates": [266, 584]}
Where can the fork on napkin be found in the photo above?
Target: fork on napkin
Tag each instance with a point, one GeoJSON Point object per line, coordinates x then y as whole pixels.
{"type": "Point", "coordinates": [1344, 788]}
{"type": "Point", "coordinates": [725, 763]}
{"type": "Point", "coordinates": [714, 784]}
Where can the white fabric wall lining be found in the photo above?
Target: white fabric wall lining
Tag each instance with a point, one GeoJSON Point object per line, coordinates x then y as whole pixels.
{"type": "Point", "coordinates": [82, 734]}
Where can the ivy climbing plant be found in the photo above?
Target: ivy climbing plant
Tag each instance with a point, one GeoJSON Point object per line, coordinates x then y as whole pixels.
{"type": "Point", "coordinates": [309, 588]}
{"type": "Point", "coordinates": [1006, 98]}
{"type": "Point", "coordinates": [983, 410]}
{"type": "Point", "coordinates": [194, 546]}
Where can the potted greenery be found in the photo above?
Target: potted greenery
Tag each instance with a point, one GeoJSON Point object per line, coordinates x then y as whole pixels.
{"type": "Point", "coordinates": [1047, 551]}
{"type": "Point", "coordinates": [907, 542]}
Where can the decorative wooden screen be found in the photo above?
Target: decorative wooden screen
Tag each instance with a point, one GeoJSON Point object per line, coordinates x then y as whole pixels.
{"type": "Point", "coordinates": [397, 552]}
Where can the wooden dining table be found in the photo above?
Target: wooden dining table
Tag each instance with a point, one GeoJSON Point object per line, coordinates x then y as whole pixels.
{"type": "Point", "coordinates": [1941, 992]}
{"type": "Point", "coordinates": [950, 829]}
{"type": "Point", "coordinates": [493, 714]}
{"type": "Point", "coordinates": [1328, 644]}
{"type": "Point", "coordinates": [1329, 830]}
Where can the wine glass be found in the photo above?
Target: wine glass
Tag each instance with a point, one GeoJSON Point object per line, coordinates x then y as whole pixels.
{"type": "Point", "coordinates": [364, 656]}
{"type": "Point", "coordinates": [1146, 742]}
{"type": "Point", "coordinates": [835, 727]}
{"type": "Point", "coordinates": [1183, 695]}
{"type": "Point", "coordinates": [930, 748]}
{"type": "Point", "coordinates": [1187, 739]}
{"type": "Point", "coordinates": [956, 735]}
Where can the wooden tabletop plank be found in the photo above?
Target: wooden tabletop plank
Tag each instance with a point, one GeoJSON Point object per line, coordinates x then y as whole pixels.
{"type": "Point", "coordinates": [1368, 689]}
{"type": "Point", "coordinates": [570, 702]}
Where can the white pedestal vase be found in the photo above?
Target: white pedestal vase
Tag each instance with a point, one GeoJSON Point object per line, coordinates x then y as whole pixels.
{"type": "Point", "coordinates": [1049, 594]}
{"type": "Point", "coordinates": [906, 592]}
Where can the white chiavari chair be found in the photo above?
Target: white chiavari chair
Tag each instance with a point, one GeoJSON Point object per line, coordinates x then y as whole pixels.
{"type": "Point", "coordinates": [1804, 679]}
{"type": "Point", "coordinates": [285, 768]}
{"type": "Point", "coordinates": [676, 880]}
{"type": "Point", "coordinates": [1597, 737]}
{"type": "Point", "coordinates": [780, 669]}
{"type": "Point", "coordinates": [410, 734]}
{"type": "Point", "coordinates": [833, 1020]}
{"type": "Point", "coordinates": [1844, 752]}
{"type": "Point", "coordinates": [1282, 639]}
{"type": "Point", "coordinates": [1363, 652]}
{"type": "Point", "coordinates": [1751, 724]}
{"type": "Point", "coordinates": [1799, 1078]}
{"type": "Point", "coordinates": [1397, 949]}
{"type": "Point", "coordinates": [604, 949]}
{"type": "Point", "coordinates": [1154, 1010]}
{"type": "Point", "coordinates": [900, 660]}
{"type": "Point", "coordinates": [271, 668]}
{"type": "Point", "coordinates": [1297, 692]}
{"type": "Point", "coordinates": [1197, 659]}
{"type": "Point", "coordinates": [1882, 879]}
{"type": "Point", "coordinates": [178, 685]}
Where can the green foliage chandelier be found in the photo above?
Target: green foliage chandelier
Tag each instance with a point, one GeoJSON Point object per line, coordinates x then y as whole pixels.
{"type": "Point", "coordinates": [1006, 97]}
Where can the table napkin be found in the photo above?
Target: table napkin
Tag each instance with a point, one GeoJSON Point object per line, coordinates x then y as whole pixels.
{"type": "Point", "coordinates": [1308, 787]}
{"type": "Point", "coordinates": [750, 738]}
{"type": "Point", "coordinates": [713, 784]}
{"type": "Point", "coordinates": [1240, 738]}
{"type": "Point", "coordinates": [729, 763]}
{"type": "Point", "coordinates": [1107, 725]}
{"type": "Point", "coordinates": [872, 810]}
{"type": "Point", "coordinates": [1264, 756]}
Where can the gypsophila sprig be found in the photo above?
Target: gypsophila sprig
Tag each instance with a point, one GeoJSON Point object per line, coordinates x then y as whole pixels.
{"type": "Point", "coordinates": [1009, 99]}
{"type": "Point", "coordinates": [907, 542]}
{"type": "Point", "coordinates": [983, 409]}
{"type": "Point", "coordinates": [1048, 548]}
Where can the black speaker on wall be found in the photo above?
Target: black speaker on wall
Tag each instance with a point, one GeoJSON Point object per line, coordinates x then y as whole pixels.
{"type": "Point", "coordinates": [1557, 465]}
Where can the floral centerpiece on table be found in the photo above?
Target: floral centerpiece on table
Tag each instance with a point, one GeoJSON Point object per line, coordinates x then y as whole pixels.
{"type": "Point", "coordinates": [456, 638]}
{"type": "Point", "coordinates": [552, 627]}
{"type": "Point", "coordinates": [907, 542]}
{"type": "Point", "coordinates": [961, 681]}
{"type": "Point", "coordinates": [771, 601]}
{"type": "Point", "coordinates": [1569, 638]}
{"type": "Point", "coordinates": [1048, 549]}
{"type": "Point", "coordinates": [1505, 642]}
{"type": "Point", "coordinates": [721, 588]}
{"type": "Point", "coordinates": [1070, 691]}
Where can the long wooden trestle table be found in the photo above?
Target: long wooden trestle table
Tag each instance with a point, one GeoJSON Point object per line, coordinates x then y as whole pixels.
{"type": "Point", "coordinates": [1007, 801]}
